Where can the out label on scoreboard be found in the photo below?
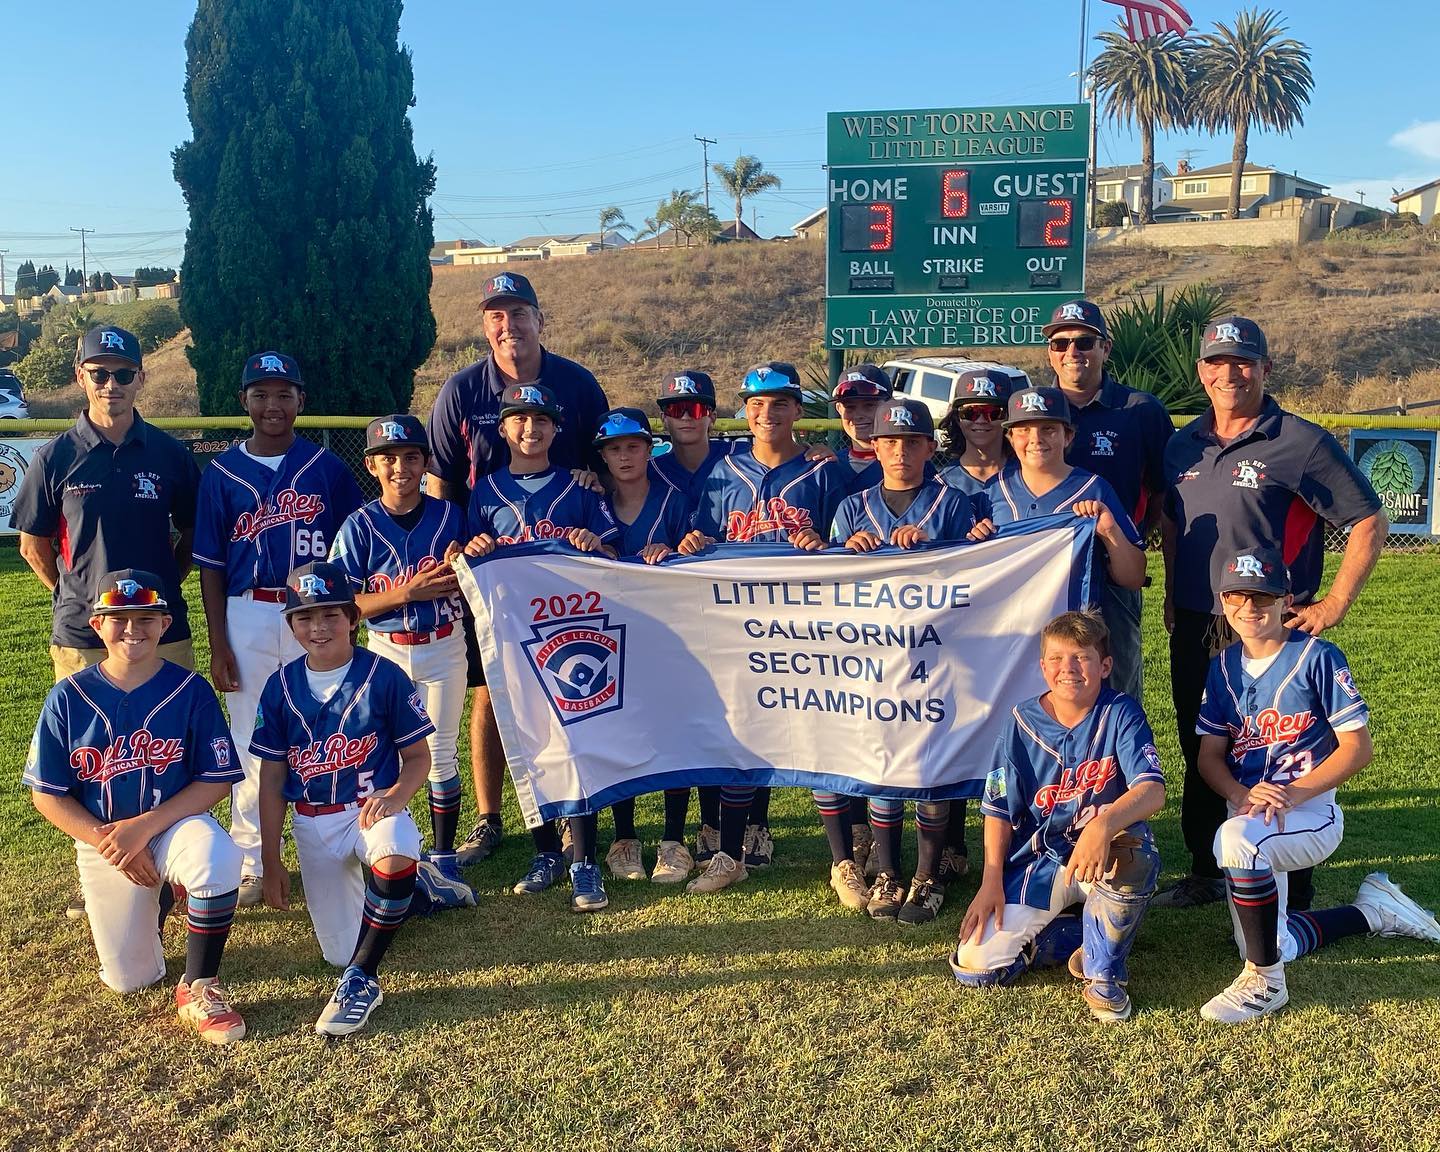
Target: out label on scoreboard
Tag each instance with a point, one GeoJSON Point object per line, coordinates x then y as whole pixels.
{"type": "Point", "coordinates": [952, 213]}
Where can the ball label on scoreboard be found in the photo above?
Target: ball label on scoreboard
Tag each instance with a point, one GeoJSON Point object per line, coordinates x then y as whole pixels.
{"type": "Point", "coordinates": [986, 202]}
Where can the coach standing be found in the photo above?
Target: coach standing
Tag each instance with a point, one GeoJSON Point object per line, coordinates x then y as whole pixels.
{"type": "Point", "coordinates": [1120, 435]}
{"type": "Point", "coordinates": [465, 444]}
{"type": "Point", "coordinates": [1242, 471]}
{"type": "Point", "coordinates": [103, 496]}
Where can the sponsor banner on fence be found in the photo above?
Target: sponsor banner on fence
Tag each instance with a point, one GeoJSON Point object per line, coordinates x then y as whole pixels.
{"type": "Point", "coordinates": [1402, 466]}
{"type": "Point", "coordinates": [888, 673]}
{"type": "Point", "coordinates": [15, 457]}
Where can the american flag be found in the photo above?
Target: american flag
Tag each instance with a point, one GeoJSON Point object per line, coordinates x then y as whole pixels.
{"type": "Point", "coordinates": [1146, 18]}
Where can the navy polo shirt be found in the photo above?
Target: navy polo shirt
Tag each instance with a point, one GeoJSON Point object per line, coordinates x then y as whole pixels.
{"type": "Point", "coordinates": [1279, 484]}
{"type": "Point", "coordinates": [109, 507]}
{"type": "Point", "coordinates": [1120, 436]}
{"type": "Point", "coordinates": [464, 424]}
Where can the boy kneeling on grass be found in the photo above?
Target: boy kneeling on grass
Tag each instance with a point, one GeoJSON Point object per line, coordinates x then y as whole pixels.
{"type": "Point", "coordinates": [341, 735]}
{"type": "Point", "coordinates": [1281, 726]}
{"type": "Point", "coordinates": [128, 758]}
{"type": "Point", "coordinates": [1075, 776]}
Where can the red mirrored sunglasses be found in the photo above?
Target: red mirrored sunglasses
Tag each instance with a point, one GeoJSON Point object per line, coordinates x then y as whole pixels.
{"type": "Point", "coordinates": [685, 409]}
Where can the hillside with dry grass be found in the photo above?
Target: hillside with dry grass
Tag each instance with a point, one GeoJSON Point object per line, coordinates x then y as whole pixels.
{"type": "Point", "coordinates": [1352, 323]}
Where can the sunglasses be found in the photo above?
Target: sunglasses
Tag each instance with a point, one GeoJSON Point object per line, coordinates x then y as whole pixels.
{"type": "Point", "coordinates": [1082, 343]}
{"type": "Point", "coordinates": [686, 409]}
{"type": "Point", "coordinates": [982, 413]}
{"type": "Point", "coordinates": [122, 376]}
{"type": "Point", "coordinates": [129, 596]}
{"type": "Point", "coordinates": [860, 390]}
{"type": "Point", "coordinates": [1238, 596]}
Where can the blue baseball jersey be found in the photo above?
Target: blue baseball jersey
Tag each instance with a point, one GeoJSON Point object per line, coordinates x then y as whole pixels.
{"type": "Point", "coordinates": [501, 508]}
{"type": "Point", "coordinates": [943, 512]}
{"type": "Point", "coordinates": [120, 753]}
{"type": "Point", "coordinates": [863, 473]}
{"type": "Point", "coordinates": [1281, 723]}
{"type": "Point", "coordinates": [1048, 781]}
{"type": "Point", "coordinates": [743, 501]}
{"type": "Point", "coordinates": [347, 748]}
{"type": "Point", "coordinates": [257, 524]}
{"type": "Point", "coordinates": [378, 555]}
{"type": "Point", "coordinates": [664, 519]}
{"type": "Point", "coordinates": [981, 492]}
{"type": "Point", "coordinates": [668, 467]}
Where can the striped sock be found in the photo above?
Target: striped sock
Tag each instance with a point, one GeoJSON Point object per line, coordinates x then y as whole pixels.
{"type": "Point", "coordinates": [735, 804]}
{"type": "Point", "coordinates": [835, 818]}
{"type": "Point", "coordinates": [1312, 930]}
{"type": "Point", "coordinates": [445, 813]}
{"type": "Point", "coordinates": [387, 900]}
{"type": "Point", "coordinates": [932, 821]}
{"type": "Point", "coordinates": [208, 921]}
{"type": "Point", "coordinates": [1257, 907]}
{"type": "Point", "coordinates": [887, 817]}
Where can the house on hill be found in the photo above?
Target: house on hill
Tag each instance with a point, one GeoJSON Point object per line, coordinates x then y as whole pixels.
{"type": "Point", "coordinates": [1204, 193]}
{"type": "Point", "coordinates": [812, 227]}
{"type": "Point", "coordinates": [1424, 201]}
{"type": "Point", "coordinates": [1125, 181]}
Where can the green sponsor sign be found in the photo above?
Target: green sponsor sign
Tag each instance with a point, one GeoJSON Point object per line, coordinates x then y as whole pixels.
{"type": "Point", "coordinates": [957, 227]}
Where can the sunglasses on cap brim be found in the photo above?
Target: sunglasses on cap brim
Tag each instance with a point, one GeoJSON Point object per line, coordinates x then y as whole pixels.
{"type": "Point", "coordinates": [860, 390]}
{"type": "Point", "coordinates": [115, 599]}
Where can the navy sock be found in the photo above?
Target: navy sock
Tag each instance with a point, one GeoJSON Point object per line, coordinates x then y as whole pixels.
{"type": "Point", "coordinates": [387, 900]}
{"type": "Point", "coordinates": [677, 810]}
{"type": "Point", "coordinates": [859, 810]}
{"type": "Point", "coordinates": [583, 832]}
{"type": "Point", "coordinates": [624, 813]}
{"type": "Point", "coordinates": [735, 803]}
{"type": "Point", "coordinates": [1257, 907]}
{"type": "Point", "coordinates": [444, 813]}
{"type": "Point", "coordinates": [760, 808]}
{"type": "Point", "coordinates": [835, 818]}
{"type": "Point", "coordinates": [955, 830]}
{"type": "Point", "coordinates": [208, 921]}
{"type": "Point", "coordinates": [887, 820]}
{"type": "Point", "coordinates": [546, 837]}
{"type": "Point", "coordinates": [710, 806]}
{"type": "Point", "coordinates": [932, 819]}
{"type": "Point", "coordinates": [1312, 930]}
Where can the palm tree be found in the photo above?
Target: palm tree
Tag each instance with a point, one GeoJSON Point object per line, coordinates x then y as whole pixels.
{"type": "Point", "coordinates": [1145, 83]}
{"type": "Point", "coordinates": [673, 213]}
{"type": "Point", "coordinates": [612, 219]}
{"type": "Point", "coordinates": [1250, 75]}
{"type": "Point", "coordinates": [747, 178]}
{"type": "Point", "coordinates": [650, 228]}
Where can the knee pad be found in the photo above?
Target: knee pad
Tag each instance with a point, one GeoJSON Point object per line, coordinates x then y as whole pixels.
{"type": "Point", "coordinates": [1137, 870]}
{"type": "Point", "coordinates": [1058, 939]}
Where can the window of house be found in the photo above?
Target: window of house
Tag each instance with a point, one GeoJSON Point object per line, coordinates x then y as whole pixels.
{"type": "Point", "coordinates": [1195, 188]}
{"type": "Point", "coordinates": [1247, 184]}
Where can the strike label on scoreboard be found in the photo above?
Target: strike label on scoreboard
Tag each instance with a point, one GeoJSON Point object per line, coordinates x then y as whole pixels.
{"type": "Point", "coordinates": [957, 227]}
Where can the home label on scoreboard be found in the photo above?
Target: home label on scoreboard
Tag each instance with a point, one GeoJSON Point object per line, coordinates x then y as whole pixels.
{"type": "Point", "coordinates": [944, 213]}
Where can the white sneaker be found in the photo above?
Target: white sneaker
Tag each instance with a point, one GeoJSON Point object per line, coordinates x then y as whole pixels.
{"type": "Point", "coordinates": [721, 871]}
{"type": "Point", "coordinates": [673, 863]}
{"type": "Point", "coordinates": [623, 860]}
{"type": "Point", "coordinates": [849, 884]}
{"type": "Point", "coordinates": [1389, 912]}
{"type": "Point", "coordinates": [1254, 993]}
{"type": "Point", "coordinates": [252, 892]}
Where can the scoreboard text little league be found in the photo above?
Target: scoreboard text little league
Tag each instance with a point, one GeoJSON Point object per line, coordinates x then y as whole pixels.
{"type": "Point", "coordinates": [952, 228]}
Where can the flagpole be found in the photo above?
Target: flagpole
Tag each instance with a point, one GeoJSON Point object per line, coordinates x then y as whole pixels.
{"type": "Point", "coordinates": [1084, 30]}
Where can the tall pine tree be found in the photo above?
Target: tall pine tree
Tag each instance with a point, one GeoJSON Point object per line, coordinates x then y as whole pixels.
{"type": "Point", "coordinates": [310, 229]}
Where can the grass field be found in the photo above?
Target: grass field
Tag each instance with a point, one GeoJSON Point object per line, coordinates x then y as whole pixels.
{"type": "Point", "coordinates": [761, 1018]}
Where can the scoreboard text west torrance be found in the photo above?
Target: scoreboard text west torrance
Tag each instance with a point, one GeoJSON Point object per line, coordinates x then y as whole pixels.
{"type": "Point", "coordinates": [959, 227]}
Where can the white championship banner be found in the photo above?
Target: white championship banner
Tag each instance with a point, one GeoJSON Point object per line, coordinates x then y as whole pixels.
{"type": "Point", "coordinates": [882, 674]}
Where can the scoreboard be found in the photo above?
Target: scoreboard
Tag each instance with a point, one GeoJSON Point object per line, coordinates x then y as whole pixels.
{"type": "Point", "coordinates": [953, 227]}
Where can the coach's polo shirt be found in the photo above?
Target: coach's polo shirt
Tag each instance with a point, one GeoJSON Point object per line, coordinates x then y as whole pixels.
{"type": "Point", "coordinates": [109, 507]}
{"type": "Point", "coordinates": [1279, 484]}
{"type": "Point", "coordinates": [464, 424]}
{"type": "Point", "coordinates": [1120, 436]}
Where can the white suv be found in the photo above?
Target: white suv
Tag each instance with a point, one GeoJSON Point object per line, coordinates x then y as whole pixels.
{"type": "Point", "coordinates": [934, 380]}
{"type": "Point", "coordinates": [12, 397]}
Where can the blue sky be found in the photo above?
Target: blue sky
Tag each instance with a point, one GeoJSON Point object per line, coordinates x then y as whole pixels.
{"type": "Point", "coordinates": [539, 115]}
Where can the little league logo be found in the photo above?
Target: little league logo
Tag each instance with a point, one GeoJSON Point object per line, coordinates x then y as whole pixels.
{"type": "Point", "coordinates": [580, 664]}
{"type": "Point", "coordinates": [270, 363]}
{"type": "Point", "coordinates": [1248, 473]}
{"type": "Point", "coordinates": [1346, 683]}
{"type": "Point", "coordinates": [220, 749]}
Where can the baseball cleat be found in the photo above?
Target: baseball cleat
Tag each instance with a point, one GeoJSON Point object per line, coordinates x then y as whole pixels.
{"type": "Point", "coordinates": [850, 885]}
{"type": "Point", "coordinates": [1107, 1000]}
{"type": "Point", "coordinates": [922, 903]}
{"type": "Point", "coordinates": [886, 896]}
{"type": "Point", "coordinates": [1254, 993]}
{"type": "Point", "coordinates": [75, 909]}
{"type": "Point", "coordinates": [953, 865]}
{"type": "Point", "coordinates": [356, 996]}
{"type": "Point", "coordinates": [1190, 892]}
{"type": "Point", "coordinates": [624, 861]}
{"type": "Point", "coordinates": [252, 892]}
{"type": "Point", "coordinates": [721, 871]}
{"type": "Point", "coordinates": [441, 890]}
{"type": "Point", "coordinates": [673, 863]}
{"type": "Point", "coordinates": [587, 889]}
{"type": "Point", "coordinates": [863, 840]}
{"type": "Point", "coordinates": [759, 846]}
{"type": "Point", "coordinates": [205, 1006]}
{"type": "Point", "coordinates": [545, 869]}
{"type": "Point", "coordinates": [707, 843]}
{"type": "Point", "coordinates": [1390, 912]}
{"type": "Point", "coordinates": [484, 838]}
{"type": "Point", "coordinates": [1076, 964]}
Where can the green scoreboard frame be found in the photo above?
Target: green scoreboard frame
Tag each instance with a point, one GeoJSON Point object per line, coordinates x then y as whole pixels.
{"type": "Point", "coordinates": [953, 227]}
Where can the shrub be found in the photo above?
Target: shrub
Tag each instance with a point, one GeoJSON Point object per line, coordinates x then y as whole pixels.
{"type": "Point", "coordinates": [45, 367]}
{"type": "Point", "coordinates": [1111, 214]}
{"type": "Point", "coordinates": [1157, 342]}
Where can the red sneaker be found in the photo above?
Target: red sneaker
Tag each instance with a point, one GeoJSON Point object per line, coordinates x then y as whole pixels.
{"type": "Point", "coordinates": [205, 1006]}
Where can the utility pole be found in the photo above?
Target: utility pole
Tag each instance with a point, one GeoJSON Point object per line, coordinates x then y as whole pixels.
{"type": "Point", "coordinates": [705, 143]}
{"type": "Point", "coordinates": [3, 252]}
{"type": "Point", "coordinates": [84, 271]}
{"type": "Point", "coordinates": [1084, 32]}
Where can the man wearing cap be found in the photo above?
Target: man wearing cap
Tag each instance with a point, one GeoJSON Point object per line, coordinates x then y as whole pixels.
{"type": "Point", "coordinates": [112, 492]}
{"type": "Point", "coordinates": [1120, 434]}
{"type": "Point", "coordinates": [1246, 470]}
{"type": "Point", "coordinates": [267, 505]}
{"type": "Point", "coordinates": [465, 445]}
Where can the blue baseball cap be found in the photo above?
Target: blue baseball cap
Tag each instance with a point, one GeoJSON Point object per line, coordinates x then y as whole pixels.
{"type": "Point", "coordinates": [316, 584]}
{"type": "Point", "coordinates": [129, 590]}
{"type": "Point", "coordinates": [109, 341]}
{"type": "Point", "coordinates": [862, 382]}
{"type": "Point", "coordinates": [265, 366]}
{"type": "Point", "coordinates": [773, 378]}
{"type": "Point", "coordinates": [688, 384]}
{"type": "Point", "coordinates": [530, 398]}
{"type": "Point", "coordinates": [1258, 569]}
{"type": "Point", "coordinates": [621, 422]}
{"type": "Point", "coordinates": [1234, 336]}
{"type": "Point", "coordinates": [1078, 314]}
{"type": "Point", "coordinates": [1030, 405]}
{"type": "Point", "coordinates": [398, 430]}
{"type": "Point", "coordinates": [508, 286]}
{"type": "Point", "coordinates": [978, 384]}
{"type": "Point", "coordinates": [903, 417]}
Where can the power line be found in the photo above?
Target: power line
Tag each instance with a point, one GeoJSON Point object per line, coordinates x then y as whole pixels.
{"type": "Point", "coordinates": [705, 143]}
{"type": "Point", "coordinates": [82, 231]}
